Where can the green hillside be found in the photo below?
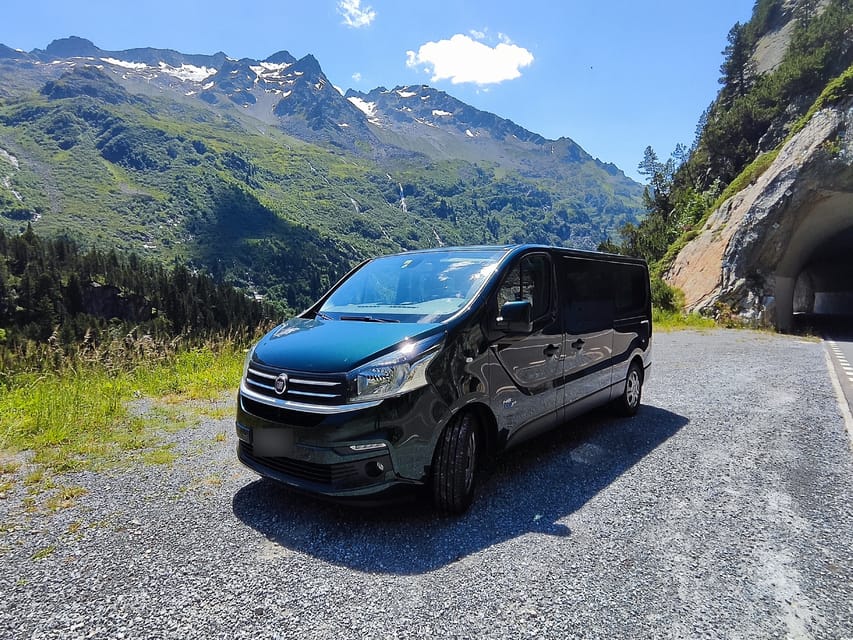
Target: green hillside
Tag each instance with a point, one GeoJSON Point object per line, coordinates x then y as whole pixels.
{"type": "Point", "coordinates": [252, 206]}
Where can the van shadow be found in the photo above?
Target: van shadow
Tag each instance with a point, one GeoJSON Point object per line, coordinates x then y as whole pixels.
{"type": "Point", "coordinates": [531, 489]}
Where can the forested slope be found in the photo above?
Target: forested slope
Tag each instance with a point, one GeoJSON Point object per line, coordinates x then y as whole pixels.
{"type": "Point", "coordinates": [739, 134]}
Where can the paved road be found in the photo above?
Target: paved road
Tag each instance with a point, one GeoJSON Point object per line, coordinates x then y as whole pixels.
{"type": "Point", "coordinates": [724, 509]}
{"type": "Point", "coordinates": [840, 345]}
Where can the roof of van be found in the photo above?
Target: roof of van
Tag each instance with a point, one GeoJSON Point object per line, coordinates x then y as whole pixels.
{"type": "Point", "coordinates": [515, 248]}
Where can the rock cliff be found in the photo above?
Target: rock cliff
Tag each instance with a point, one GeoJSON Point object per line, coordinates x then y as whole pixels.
{"type": "Point", "coordinates": [791, 229]}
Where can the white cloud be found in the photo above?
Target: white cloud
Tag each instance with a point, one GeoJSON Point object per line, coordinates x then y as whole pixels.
{"type": "Point", "coordinates": [356, 76]}
{"type": "Point", "coordinates": [354, 16]}
{"type": "Point", "coordinates": [477, 35]}
{"type": "Point", "coordinates": [462, 59]}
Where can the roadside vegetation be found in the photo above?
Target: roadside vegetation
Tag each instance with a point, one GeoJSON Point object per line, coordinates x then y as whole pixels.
{"type": "Point", "coordinates": [97, 350]}
{"type": "Point", "coordinates": [741, 132]}
{"type": "Point", "coordinates": [105, 412]}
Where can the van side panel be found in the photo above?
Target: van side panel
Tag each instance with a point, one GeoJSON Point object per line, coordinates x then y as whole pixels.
{"type": "Point", "coordinates": [525, 385]}
{"type": "Point", "coordinates": [586, 312]}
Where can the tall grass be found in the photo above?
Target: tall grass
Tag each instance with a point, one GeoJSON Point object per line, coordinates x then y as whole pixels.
{"type": "Point", "coordinates": [664, 320]}
{"type": "Point", "coordinates": [79, 416]}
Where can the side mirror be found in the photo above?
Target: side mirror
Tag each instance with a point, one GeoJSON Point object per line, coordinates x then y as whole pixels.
{"type": "Point", "coordinates": [516, 317]}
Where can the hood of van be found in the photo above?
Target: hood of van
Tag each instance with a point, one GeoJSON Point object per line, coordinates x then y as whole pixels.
{"type": "Point", "coordinates": [334, 346]}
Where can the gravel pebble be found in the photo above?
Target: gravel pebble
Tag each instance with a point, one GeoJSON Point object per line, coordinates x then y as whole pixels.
{"type": "Point", "coordinates": [723, 509]}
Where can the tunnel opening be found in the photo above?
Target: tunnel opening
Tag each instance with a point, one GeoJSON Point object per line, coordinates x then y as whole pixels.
{"type": "Point", "coordinates": [823, 290]}
{"type": "Point", "coordinates": [814, 277]}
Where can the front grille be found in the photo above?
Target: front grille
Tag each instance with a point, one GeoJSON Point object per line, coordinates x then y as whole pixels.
{"type": "Point", "coordinates": [279, 415]}
{"type": "Point", "coordinates": [342, 474]}
{"type": "Point", "coordinates": [301, 387]}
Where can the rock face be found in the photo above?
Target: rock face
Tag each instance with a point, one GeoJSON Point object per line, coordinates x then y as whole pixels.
{"type": "Point", "coordinates": [792, 228]}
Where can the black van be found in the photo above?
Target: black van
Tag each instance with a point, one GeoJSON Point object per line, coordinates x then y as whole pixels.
{"type": "Point", "coordinates": [417, 367]}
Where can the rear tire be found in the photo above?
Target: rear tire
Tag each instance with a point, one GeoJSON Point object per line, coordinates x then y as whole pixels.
{"type": "Point", "coordinates": [629, 402]}
{"type": "Point", "coordinates": [456, 464]}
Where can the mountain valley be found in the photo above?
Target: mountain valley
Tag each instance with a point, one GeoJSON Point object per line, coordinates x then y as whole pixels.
{"type": "Point", "coordinates": [265, 175]}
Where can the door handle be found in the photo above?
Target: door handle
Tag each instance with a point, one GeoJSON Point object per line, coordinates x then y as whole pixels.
{"type": "Point", "coordinates": [577, 344]}
{"type": "Point", "coordinates": [551, 350]}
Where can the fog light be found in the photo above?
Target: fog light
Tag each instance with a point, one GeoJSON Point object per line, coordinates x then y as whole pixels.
{"type": "Point", "coordinates": [374, 469]}
{"type": "Point", "coordinates": [367, 447]}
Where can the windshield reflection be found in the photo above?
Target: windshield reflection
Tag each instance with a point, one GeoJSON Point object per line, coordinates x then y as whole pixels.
{"type": "Point", "coordinates": [417, 287]}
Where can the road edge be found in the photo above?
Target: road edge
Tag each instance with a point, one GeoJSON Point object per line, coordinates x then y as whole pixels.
{"type": "Point", "coordinates": [843, 405]}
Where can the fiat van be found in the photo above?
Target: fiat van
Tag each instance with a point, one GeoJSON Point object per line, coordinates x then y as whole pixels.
{"type": "Point", "coordinates": [417, 369]}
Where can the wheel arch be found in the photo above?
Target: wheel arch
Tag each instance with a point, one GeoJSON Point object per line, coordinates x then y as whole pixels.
{"type": "Point", "coordinates": [486, 424]}
{"type": "Point", "coordinates": [638, 360]}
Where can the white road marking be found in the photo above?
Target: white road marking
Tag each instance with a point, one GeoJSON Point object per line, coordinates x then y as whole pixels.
{"type": "Point", "coordinates": [841, 398]}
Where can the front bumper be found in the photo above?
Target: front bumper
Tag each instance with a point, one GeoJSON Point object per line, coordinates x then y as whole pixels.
{"type": "Point", "coordinates": [371, 451]}
{"type": "Point", "coordinates": [336, 480]}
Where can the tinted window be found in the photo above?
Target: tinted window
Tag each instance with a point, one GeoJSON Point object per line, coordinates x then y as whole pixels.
{"type": "Point", "coordinates": [529, 279]}
{"type": "Point", "coordinates": [586, 295]}
{"type": "Point", "coordinates": [630, 289]}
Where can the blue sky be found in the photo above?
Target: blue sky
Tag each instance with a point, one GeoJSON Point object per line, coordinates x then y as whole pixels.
{"type": "Point", "coordinates": [615, 76]}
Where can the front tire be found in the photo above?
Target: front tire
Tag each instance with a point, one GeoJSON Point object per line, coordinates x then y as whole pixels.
{"type": "Point", "coordinates": [629, 402]}
{"type": "Point", "coordinates": [456, 465]}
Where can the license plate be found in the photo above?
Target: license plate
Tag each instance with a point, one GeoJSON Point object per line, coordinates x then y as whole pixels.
{"type": "Point", "coordinates": [272, 443]}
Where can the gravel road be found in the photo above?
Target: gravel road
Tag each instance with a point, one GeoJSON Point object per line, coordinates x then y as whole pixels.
{"type": "Point", "coordinates": [722, 510]}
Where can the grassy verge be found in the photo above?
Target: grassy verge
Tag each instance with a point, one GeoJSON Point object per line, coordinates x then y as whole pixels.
{"type": "Point", "coordinates": [674, 320]}
{"type": "Point", "coordinates": [81, 418]}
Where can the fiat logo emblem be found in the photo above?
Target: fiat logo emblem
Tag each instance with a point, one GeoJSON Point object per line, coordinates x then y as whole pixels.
{"type": "Point", "coordinates": [280, 383]}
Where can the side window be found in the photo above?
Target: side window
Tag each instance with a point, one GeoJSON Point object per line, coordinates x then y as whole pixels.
{"type": "Point", "coordinates": [630, 290]}
{"type": "Point", "coordinates": [529, 280]}
{"type": "Point", "coordinates": [586, 295]}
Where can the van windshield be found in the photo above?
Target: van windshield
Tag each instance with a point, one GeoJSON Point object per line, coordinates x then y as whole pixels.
{"type": "Point", "coordinates": [417, 287]}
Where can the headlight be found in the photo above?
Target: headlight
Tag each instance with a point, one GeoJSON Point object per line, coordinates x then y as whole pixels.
{"type": "Point", "coordinates": [395, 373]}
{"type": "Point", "coordinates": [248, 361]}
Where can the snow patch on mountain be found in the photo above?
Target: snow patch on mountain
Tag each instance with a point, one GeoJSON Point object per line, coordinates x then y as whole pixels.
{"type": "Point", "coordinates": [406, 94]}
{"type": "Point", "coordinates": [269, 70]}
{"type": "Point", "coordinates": [137, 66]}
{"type": "Point", "coordinates": [188, 72]}
{"type": "Point", "coordinates": [367, 108]}
{"type": "Point", "coordinates": [441, 114]}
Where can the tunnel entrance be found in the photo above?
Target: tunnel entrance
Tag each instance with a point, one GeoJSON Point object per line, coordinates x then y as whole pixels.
{"type": "Point", "coordinates": [814, 279]}
{"type": "Point", "coordinates": [823, 292]}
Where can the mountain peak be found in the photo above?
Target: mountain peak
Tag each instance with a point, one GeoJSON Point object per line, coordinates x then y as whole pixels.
{"type": "Point", "coordinates": [72, 47]}
{"type": "Point", "coordinates": [310, 65]}
{"type": "Point", "coordinates": [281, 57]}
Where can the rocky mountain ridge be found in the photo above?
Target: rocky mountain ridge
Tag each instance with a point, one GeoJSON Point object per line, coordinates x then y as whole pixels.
{"type": "Point", "coordinates": [296, 95]}
{"type": "Point", "coordinates": [265, 174]}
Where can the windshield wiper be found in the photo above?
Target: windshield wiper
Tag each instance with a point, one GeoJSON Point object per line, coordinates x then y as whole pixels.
{"type": "Point", "coordinates": [321, 315]}
{"type": "Point", "coordinates": [366, 319]}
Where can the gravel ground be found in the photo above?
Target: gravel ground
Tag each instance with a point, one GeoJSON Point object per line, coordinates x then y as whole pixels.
{"type": "Point", "coordinates": [722, 510]}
